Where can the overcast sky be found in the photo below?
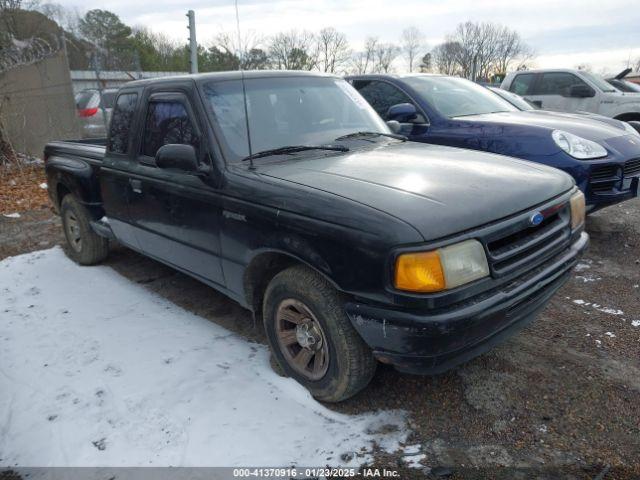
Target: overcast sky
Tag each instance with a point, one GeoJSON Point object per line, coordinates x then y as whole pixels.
{"type": "Point", "coordinates": [602, 33]}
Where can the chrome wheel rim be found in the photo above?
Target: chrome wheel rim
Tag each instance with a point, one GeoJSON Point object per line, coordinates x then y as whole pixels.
{"type": "Point", "coordinates": [301, 339]}
{"type": "Point", "coordinates": [72, 229]}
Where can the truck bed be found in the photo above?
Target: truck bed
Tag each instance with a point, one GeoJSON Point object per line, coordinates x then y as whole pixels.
{"type": "Point", "coordinates": [89, 149]}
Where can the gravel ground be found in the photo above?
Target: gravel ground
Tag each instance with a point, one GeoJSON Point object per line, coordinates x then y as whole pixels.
{"type": "Point", "coordinates": [559, 400]}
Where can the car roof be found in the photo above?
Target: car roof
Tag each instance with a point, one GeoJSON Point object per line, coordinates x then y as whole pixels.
{"type": "Point", "coordinates": [546, 70]}
{"type": "Point", "coordinates": [394, 75]}
{"type": "Point", "coordinates": [230, 75]}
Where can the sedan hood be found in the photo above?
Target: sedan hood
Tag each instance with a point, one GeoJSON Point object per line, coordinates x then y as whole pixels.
{"type": "Point", "coordinates": [438, 190]}
{"type": "Point", "coordinates": [586, 126]}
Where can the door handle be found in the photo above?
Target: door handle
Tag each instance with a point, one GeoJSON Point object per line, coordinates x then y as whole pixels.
{"type": "Point", "coordinates": [136, 185]}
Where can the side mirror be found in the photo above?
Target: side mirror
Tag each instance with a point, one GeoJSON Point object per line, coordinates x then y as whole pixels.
{"type": "Point", "coordinates": [178, 157]}
{"type": "Point", "coordinates": [394, 126]}
{"type": "Point", "coordinates": [402, 112]}
{"type": "Point", "coordinates": [581, 91]}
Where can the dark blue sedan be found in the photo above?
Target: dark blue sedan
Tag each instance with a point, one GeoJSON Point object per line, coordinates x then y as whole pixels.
{"type": "Point", "coordinates": [602, 154]}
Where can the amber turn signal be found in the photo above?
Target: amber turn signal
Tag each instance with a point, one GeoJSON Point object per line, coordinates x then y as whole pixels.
{"type": "Point", "coordinates": [419, 272]}
{"type": "Point", "coordinates": [577, 210]}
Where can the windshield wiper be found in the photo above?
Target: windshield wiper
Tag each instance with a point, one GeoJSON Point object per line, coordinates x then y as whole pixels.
{"type": "Point", "coordinates": [372, 134]}
{"type": "Point", "coordinates": [295, 149]}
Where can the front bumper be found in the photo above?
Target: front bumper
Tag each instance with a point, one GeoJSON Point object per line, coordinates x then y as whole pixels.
{"type": "Point", "coordinates": [432, 342]}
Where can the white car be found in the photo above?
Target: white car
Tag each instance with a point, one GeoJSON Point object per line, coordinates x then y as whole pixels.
{"type": "Point", "coordinates": [572, 91]}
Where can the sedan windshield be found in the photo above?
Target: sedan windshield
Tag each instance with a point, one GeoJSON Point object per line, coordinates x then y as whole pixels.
{"type": "Point", "coordinates": [513, 98]}
{"type": "Point", "coordinates": [457, 97]}
{"type": "Point", "coordinates": [287, 111]}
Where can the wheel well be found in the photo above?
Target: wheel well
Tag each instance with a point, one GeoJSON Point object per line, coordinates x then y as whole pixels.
{"type": "Point", "coordinates": [259, 273]}
{"type": "Point", "coordinates": [628, 117]}
{"type": "Point", "coordinates": [61, 191]}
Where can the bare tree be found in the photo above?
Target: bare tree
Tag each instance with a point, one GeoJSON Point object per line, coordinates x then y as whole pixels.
{"type": "Point", "coordinates": [364, 61]}
{"type": "Point", "coordinates": [385, 54]}
{"type": "Point", "coordinates": [483, 49]}
{"type": "Point", "coordinates": [293, 50]}
{"type": "Point", "coordinates": [245, 48]}
{"type": "Point", "coordinates": [333, 50]}
{"type": "Point", "coordinates": [445, 58]}
{"type": "Point", "coordinates": [510, 49]}
{"type": "Point", "coordinates": [412, 44]}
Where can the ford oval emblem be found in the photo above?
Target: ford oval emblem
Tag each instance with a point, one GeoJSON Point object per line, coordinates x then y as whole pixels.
{"type": "Point", "coordinates": [536, 219]}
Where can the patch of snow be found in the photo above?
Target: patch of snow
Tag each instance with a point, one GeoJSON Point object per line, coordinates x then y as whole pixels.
{"type": "Point", "coordinates": [584, 265]}
{"type": "Point", "coordinates": [635, 323]}
{"type": "Point", "coordinates": [610, 334]}
{"type": "Point", "coordinates": [412, 449]}
{"type": "Point", "coordinates": [413, 461]}
{"type": "Point", "coordinates": [543, 428]}
{"type": "Point", "coordinates": [85, 381]}
{"type": "Point", "coordinates": [12, 215]}
{"type": "Point", "coordinates": [43, 185]}
{"type": "Point", "coordinates": [588, 278]}
{"type": "Point", "coordinates": [600, 308]}
{"type": "Point", "coordinates": [598, 343]}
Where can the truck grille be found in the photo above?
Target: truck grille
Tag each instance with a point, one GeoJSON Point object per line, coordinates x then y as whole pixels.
{"type": "Point", "coordinates": [525, 245]}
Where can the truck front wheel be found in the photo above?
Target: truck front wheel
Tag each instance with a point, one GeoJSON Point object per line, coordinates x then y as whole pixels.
{"type": "Point", "coordinates": [311, 337]}
{"type": "Point", "coordinates": [85, 246]}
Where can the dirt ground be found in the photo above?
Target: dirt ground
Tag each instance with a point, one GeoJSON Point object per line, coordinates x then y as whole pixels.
{"type": "Point", "coordinates": [559, 400]}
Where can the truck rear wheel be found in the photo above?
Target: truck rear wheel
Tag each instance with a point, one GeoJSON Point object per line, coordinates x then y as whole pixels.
{"type": "Point", "coordinates": [312, 338]}
{"type": "Point", "coordinates": [85, 246]}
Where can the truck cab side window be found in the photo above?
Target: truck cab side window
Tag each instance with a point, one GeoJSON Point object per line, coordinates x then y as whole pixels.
{"type": "Point", "coordinates": [167, 122]}
{"type": "Point", "coordinates": [521, 83]}
{"type": "Point", "coordinates": [121, 123]}
{"type": "Point", "coordinates": [381, 95]}
{"type": "Point", "coordinates": [557, 83]}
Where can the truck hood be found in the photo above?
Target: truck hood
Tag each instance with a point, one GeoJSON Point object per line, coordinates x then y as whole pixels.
{"type": "Point", "coordinates": [585, 126]}
{"type": "Point", "coordinates": [438, 190]}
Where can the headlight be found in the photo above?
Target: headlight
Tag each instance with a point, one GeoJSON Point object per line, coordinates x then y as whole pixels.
{"type": "Point", "coordinates": [441, 269]}
{"type": "Point", "coordinates": [577, 210]}
{"type": "Point", "coordinates": [629, 128]}
{"type": "Point", "coordinates": [578, 147]}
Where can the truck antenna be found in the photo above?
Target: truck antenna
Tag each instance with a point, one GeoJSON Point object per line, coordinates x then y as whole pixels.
{"type": "Point", "coordinates": [244, 89]}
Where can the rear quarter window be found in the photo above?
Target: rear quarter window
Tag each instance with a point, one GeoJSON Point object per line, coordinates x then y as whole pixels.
{"type": "Point", "coordinates": [121, 123]}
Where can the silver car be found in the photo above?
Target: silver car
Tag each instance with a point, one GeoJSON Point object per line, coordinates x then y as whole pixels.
{"type": "Point", "coordinates": [90, 111]}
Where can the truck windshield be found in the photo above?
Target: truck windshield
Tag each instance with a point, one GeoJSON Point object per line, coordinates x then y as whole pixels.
{"type": "Point", "coordinates": [599, 82]}
{"type": "Point", "coordinates": [457, 97]}
{"type": "Point", "coordinates": [286, 111]}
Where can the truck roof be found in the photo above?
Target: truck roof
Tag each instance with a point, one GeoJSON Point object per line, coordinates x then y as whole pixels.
{"type": "Point", "coordinates": [231, 75]}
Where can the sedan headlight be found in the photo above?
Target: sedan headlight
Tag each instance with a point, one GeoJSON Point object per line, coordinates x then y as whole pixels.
{"type": "Point", "coordinates": [577, 210]}
{"type": "Point", "coordinates": [578, 147]}
{"type": "Point", "coordinates": [441, 269]}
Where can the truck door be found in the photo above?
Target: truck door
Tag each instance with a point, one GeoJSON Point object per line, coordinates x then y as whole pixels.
{"type": "Point", "coordinates": [117, 162]}
{"type": "Point", "coordinates": [562, 91]}
{"type": "Point", "coordinates": [176, 214]}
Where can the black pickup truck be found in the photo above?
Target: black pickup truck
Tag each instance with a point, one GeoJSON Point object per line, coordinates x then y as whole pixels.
{"type": "Point", "coordinates": [286, 192]}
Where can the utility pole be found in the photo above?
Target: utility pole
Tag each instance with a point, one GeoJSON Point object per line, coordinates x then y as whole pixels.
{"type": "Point", "coordinates": [193, 45]}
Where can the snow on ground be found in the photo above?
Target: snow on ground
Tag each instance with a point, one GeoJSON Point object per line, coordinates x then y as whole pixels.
{"type": "Point", "coordinates": [609, 310]}
{"type": "Point", "coordinates": [96, 370]}
{"type": "Point", "coordinates": [11, 215]}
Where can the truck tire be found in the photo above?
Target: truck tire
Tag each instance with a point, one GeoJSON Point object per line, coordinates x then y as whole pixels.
{"type": "Point", "coordinates": [85, 246]}
{"type": "Point", "coordinates": [312, 338]}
